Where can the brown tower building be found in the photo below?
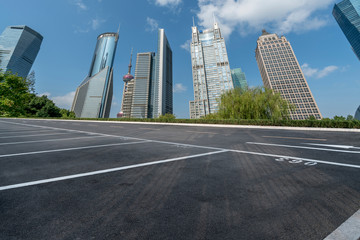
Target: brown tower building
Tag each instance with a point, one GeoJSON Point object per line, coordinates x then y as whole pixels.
{"type": "Point", "coordinates": [281, 72]}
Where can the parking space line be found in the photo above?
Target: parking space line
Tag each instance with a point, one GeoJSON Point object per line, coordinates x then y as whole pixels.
{"type": "Point", "coordinates": [204, 147]}
{"type": "Point", "coordinates": [312, 148]}
{"type": "Point", "coordinates": [49, 140]}
{"type": "Point", "coordinates": [348, 230]}
{"type": "Point", "coordinates": [150, 129]}
{"type": "Point", "coordinates": [34, 135]}
{"type": "Point", "coordinates": [106, 171]}
{"type": "Point", "coordinates": [298, 138]}
{"type": "Point", "coordinates": [69, 149]}
{"type": "Point", "coordinates": [202, 132]}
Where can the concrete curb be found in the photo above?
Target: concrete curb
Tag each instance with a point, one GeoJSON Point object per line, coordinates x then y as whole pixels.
{"type": "Point", "coordinates": [208, 125]}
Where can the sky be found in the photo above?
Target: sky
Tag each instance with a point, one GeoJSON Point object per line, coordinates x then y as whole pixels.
{"type": "Point", "coordinates": [70, 29]}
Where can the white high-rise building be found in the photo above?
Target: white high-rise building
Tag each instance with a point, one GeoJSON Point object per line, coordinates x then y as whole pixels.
{"type": "Point", "coordinates": [211, 70]}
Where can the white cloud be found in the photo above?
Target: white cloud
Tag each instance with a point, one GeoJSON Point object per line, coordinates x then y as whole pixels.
{"type": "Point", "coordinates": [179, 88]}
{"type": "Point", "coordinates": [250, 16]}
{"type": "Point", "coordinates": [151, 24]}
{"type": "Point", "coordinates": [167, 3]}
{"type": "Point", "coordinates": [64, 101]}
{"type": "Point", "coordinates": [80, 4]}
{"type": "Point", "coordinates": [186, 45]}
{"type": "Point", "coordinates": [318, 73]}
{"type": "Point", "coordinates": [95, 23]}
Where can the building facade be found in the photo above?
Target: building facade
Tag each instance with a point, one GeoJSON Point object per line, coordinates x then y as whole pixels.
{"type": "Point", "coordinates": [239, 78]}
{"type": "Point", "coordinates": [357, 114]}
{"type": "Point", "coordinates": [281, 72]}
{"type": "Point", "coordinates": [142, 104]}
{"type": "Point", "coordinates": [210, 70]}
{"type": "Point", "coordinates": [347, 15]}
{"type": "Point", "coordinates": [19, 46]}
{"type": "Point", "coordinates": [162, 89]}
{"type": "Point", "coordinates": [94, 95]}
{"type": "Point", "coordinates": [150, 94]}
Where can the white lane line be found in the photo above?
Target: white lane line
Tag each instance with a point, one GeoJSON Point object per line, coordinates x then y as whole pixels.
{"type": "Point", "coordinates": [334, 146]}
{"type": "Point", "coordinates": [297, 138]}
{"type": "Point", "coordinates": [350, 229]}
{"type": "Point", "coordinates": [106, 171]}
{"type": "Point", "coordinates": [198, 146]}
{"type": "Point", "coordinates": [312, 148]}
{"type": "Point", "coordinates": [34, 135]}
{"type": "Point", "coordinates": [49, 140]}
{"type": "Point", "coordinates": [69, 149]}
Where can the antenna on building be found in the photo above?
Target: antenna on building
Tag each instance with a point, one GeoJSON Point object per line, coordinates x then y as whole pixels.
{"type": "Point", "coordinates": [118, 29]}
{"type": "Point", "coordinates": [193, 22]}
{"type": "Point", "coordinates": [214, 17]}
{"type": "Point", "coordinates": [130, 60]}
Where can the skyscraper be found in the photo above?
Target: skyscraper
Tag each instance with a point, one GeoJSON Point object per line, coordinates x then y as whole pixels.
{"type": "Point", "coordinates": [94, 95]}
{"type": "Point", "coordinates": [281, 72]}
{"type": "Point", "coordinates": [19, 46]}
{"type": "Point", "coordinates": [347, 15]}
{"type": "Point", "coordinates": [127, 93]}
{"type": "Point", "coordinates": [357, 114]}
{"type": "Point", "coordinates": [210, 69]}
{"type": "Point", "coordinates": [141, 106]}
{"type": "Point", "coordinates": [239, 79]}
{"type": "Point", "coordinates": [150, 94]}
{"type": "Point", "coordinates": [162, 89]}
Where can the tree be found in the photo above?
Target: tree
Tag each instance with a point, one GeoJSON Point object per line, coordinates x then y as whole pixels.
{"type": "Point", "coordinates": [339, 118]}
{"type": "Point", "coordinates": [42, 107]}
{"type": "Point", "coordinates": [253, 103]}
{"type": "Point", "coordinates": [14, 94]}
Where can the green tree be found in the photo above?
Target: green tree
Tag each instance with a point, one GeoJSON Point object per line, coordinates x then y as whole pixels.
{"type": "Point", "coordinates": [253, 103]}
{"type": "Point", "coordinates": [14, 94]}
{"type": "Point", "coordinates": [66, 113]}
{"type": "Point", "coordinates": [167, 117]}
{"type": "Point", "coordinates": [339, 118]}
{"type": "Point", "coordinates": [42, 107]}
{"type": "Point", "coordinates": [350, 118]}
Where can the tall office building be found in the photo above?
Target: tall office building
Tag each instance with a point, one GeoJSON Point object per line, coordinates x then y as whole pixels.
{"type": "Point", "coordinates": [281, 72]}
{"type": "Point", "coordinates": [162, 89]}
{"type": "Point", "coordinates": [142, 104]}
{"type": "Point", "coordinates": [239, 79]}
{"type": "Point", "coordinates": [94, 95]}
{"type": "Point", "coordinates": [357, 114]}
{"type": "Point", "coordinates": [150, 94]}
{"type": "Point", "coordinates": [127, 93]}
{"type": "Point", "coordinates": [210, 69]}
{"type": "Point", "coordinates": [347, 14]}
{"type": "Point", "coordinates": [19, 46]}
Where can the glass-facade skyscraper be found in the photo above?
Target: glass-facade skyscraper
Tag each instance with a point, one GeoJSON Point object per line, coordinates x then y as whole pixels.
{"type": "Point", "coordinates": [150, 93]}
{"type": "Point", "coordinates": [239, 79]}
{"type": "Point", "coordinates": [347, 15]}
{"type": "Point", "coordinates": [357, 114]}
{"type": "Point", "coordinates": [280, 71]}
{"type": "Point", "coordinates": [94, 95]}
{"type": "Point", "coordinates": [19, 46]}
{"type": "Point", "coordinates": [210, 69]}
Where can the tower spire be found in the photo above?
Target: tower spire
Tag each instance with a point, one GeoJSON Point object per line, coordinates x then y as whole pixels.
{"type": "Point", "coordinates": [193, 22]}
{"type": "Point", "coordinates": [128, 77]}
{"type": "Point", "coordinates": [130, 61]}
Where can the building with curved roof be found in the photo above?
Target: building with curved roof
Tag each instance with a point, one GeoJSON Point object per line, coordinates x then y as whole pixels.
{"type": "Point", "coordinates": [357, 114]}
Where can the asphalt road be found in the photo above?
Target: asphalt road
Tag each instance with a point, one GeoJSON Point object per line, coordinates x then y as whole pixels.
{"type": "Point", "coordinates": [104, 180]}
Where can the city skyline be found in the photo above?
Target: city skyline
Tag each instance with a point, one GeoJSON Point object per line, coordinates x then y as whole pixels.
{"type": "Point", "coordinates": [330, 66]}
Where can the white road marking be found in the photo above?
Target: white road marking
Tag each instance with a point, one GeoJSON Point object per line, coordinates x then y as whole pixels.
{"type": "Point", "coordinates": [69, 149]}
{"type": "Point", "coordinates": [334, 146]}
{"type": "Point", "coordinates": [49, 140]}
{"type": "Point", "coordinates": [315, 139]}
{"type": "Point", "coordinates": [350, 229]}
{"type": "Point", "coordinates": [34, 135]}
{"type": "Point", "coordinates": [197, 146]}
{"type": "Point", "coordinates": [150, 129]}
{"type": "Point", "coordinates": [106, 171]}
{"type": "Point", "coordinates": [312, 148]}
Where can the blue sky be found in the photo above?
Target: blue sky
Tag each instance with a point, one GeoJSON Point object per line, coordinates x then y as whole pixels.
{"type": "Point", "coordinates": [70, 29]}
